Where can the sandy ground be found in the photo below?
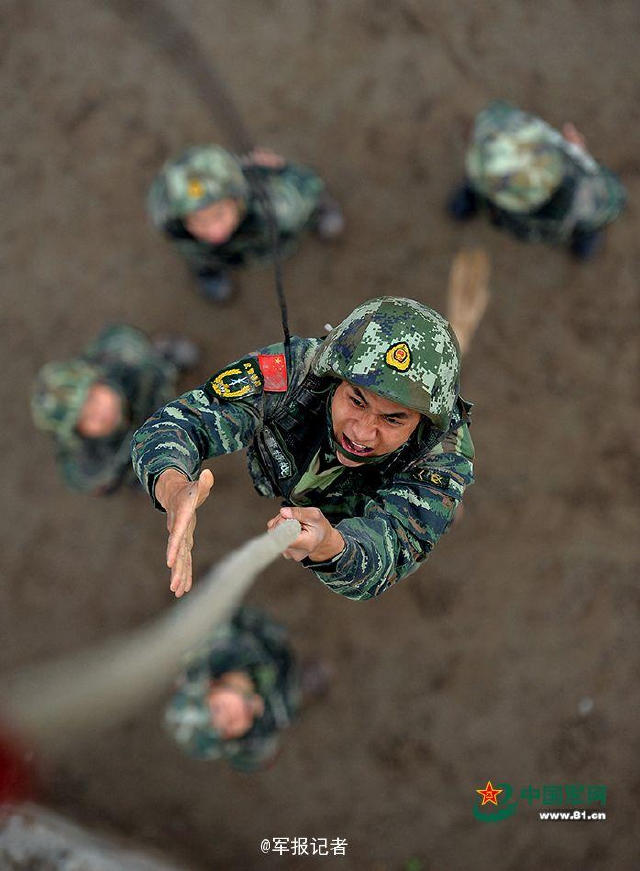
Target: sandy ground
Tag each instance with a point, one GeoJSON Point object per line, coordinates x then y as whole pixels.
{"type": "Point", "coordinates": [475, 667]}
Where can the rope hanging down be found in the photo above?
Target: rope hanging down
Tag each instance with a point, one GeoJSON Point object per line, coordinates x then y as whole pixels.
{"type": "Point", "coordinates": [52, 705]}
{"type": "Point", "coordinates": [155, 22]}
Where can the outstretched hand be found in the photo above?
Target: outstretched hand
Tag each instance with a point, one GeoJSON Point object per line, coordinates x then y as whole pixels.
{"type": "Point", "coordinates": [318, 540]}
{"type": "Point", "coordinates": [181, 498]}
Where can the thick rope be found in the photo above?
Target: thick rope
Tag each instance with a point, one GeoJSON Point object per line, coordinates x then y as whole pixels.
{"type": "Point", "coordinates": [51, 705]}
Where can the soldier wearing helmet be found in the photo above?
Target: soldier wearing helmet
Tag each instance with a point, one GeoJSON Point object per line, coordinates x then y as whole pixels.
{"type": "Point", "coordinates": [237, 693]}
{"type": "Point", "coordinates": [365, 439]}
{"type": "Point", "coordinates": [92, 404]}
{"type": "Point", "coordinates": [537, 183]}
{"type": "Point", "coordinates": [207, 203]}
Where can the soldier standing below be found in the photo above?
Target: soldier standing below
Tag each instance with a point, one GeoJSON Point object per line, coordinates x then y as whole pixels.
{"type": "Point", "coordinates": [366, 439]}
{"type": "Point", "coordinates": [205, 203]}
{"type": "Point", "coordinates": [92, 404]}
{"type": "Point", "coordinates": [237, 693]}
{"type": "Point", "coordinates": [537, 183]}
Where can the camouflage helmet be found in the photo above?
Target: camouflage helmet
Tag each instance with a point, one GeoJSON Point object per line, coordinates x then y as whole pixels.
{"type": "Point", "coordinates": [514, 159]}
{"type": "Point", "coordinates": [198, 177]}
{"type": "Point", "coordinates": [59, 392]}
{"type": "Point", "coordinates": [399, 349]}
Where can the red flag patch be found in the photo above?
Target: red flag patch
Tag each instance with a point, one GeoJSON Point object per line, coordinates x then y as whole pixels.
{"type": "Point", "coordinates": [274, 372]}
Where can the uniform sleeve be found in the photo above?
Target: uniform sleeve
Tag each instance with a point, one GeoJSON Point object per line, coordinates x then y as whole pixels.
{"type": "Point", "coordinates": [201, 424]}
{"type": "Point", "coordinates": [398, 529]}
{"type": "Point", "coordinates": [189, 430]}
{"type": "Point", "coordinates": [600, 196]}
{"type": "Point", "coordinates": [295, 191]}
{"type": "Point", "coordinates": [602, 199]}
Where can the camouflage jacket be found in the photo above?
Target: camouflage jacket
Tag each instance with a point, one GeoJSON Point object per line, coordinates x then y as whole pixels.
{"type": "Point", "coordinates": [589, 196]}
{"type": "Point", "coordinates": [258, 646]}
{"type": "Point", "coordinates": [294, 192]}
{"type": "Point", "coordinates": [390, 514]}
{"type": "Point", "coordinates": [145, 380]}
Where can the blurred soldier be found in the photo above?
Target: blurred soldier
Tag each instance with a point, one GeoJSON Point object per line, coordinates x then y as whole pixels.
{"type": "Point", "coordinates": [92, 404]}
{"type": "Point", "coordinates": [207, 204]}
{"type": "Point", "coordinates": [537, 183]}
{"type": "Point", "coordinates": [237, 694]}
{"type": "Point", "coordinates": [366, 439]}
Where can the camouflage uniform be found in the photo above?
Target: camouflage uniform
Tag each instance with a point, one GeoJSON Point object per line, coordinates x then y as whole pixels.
{"type": "Point", "coordinates": [391, 510]}
{"type": "Point", "coordinates": [533, 182]}
{"type": "Point", "coordinates": [254, 644]}
{"type": "Point", "coordinates": [203, 175]}
{"type": "Point", "coordinates": [123, 358]}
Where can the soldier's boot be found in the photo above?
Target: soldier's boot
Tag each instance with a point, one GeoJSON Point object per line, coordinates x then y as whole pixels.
{"type": "Point", "coordinates": [329, 219]}
{"type": "Point", "coordinates": [315, 680]}
{"type": "Point", "coordinates": [463, 203]}
{"type": "Point", "coordinates": [215, 286]}
{"type": "Point", "coordinates": [182, 352]}
{"type": "Point", "coordinates": [586, 244]}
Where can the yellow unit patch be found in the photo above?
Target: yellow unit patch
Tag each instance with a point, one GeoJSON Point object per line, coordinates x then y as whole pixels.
{"type": "Point", "coordinates": [398, 357]}
{"type": "Point", "coordinates": [435, 478]}
{"type": "Point", "coordinates": [195, 188]}
{"type": "Point", "coordinates": [242, 379]}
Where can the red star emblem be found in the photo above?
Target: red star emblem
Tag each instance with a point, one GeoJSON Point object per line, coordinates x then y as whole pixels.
{"type": "Point", "coordinates": [489, 794]}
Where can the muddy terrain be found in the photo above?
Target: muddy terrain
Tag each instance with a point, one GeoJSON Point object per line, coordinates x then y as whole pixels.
{"type": "Point", "coordinates": [511, 655]}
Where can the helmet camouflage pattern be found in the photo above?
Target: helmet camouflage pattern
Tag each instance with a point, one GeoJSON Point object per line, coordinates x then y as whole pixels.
{"type": "Point", "coordinates": [198, 177]}
{"type": "Point", "coordinates": [514, 159]}
{"type": "Point", "coordinates": [399, 349]}
{"type": "Point", "coordinates": [59, 392]}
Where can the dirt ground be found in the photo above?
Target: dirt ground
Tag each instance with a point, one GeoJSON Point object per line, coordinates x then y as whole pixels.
{"type": "Point", "coordinates": [484, 663]}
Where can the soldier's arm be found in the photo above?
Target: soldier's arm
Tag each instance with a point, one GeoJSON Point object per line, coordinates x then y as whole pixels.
{"type": "Point", "coordinates": [398, 529]}
{"type": "Point", "coordinates": [217, 418]}
{"type": "Point", "coordinates": [295, 192]}
{"type": "Point", "coordinates": [189, 430]}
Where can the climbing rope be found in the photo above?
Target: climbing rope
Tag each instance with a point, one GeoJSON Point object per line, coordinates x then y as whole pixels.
{"type": "Point", "coordinates": [155, 22]}
{"type": "Point", "coordinates": [49, 706]}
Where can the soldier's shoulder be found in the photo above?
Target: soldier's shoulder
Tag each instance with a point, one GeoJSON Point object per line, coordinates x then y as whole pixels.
{"type": "Point", "coordinates": [264, 371]}
{"type": "Point", "coordinates": [121, 343]}
{"type": "Point", "coordinates": [303, 353]}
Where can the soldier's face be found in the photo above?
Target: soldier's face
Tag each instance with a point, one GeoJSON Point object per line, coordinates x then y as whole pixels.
{"type": "Point", "coordinates": [101, 413]}
{"type": "Point", "coordinates": [232, 710]}
{"type": "Point", "coordinates": [365, 424]}
{"type": "Point", "coordinates": [216, 223]}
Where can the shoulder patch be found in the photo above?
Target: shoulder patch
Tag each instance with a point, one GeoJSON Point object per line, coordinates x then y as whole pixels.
{"type": "Point", "coordinates": [243, 378]}
{"type": "Point", "coordinates": [274, 371]}
{"type": "Point", "coordinates": [434, 477]}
